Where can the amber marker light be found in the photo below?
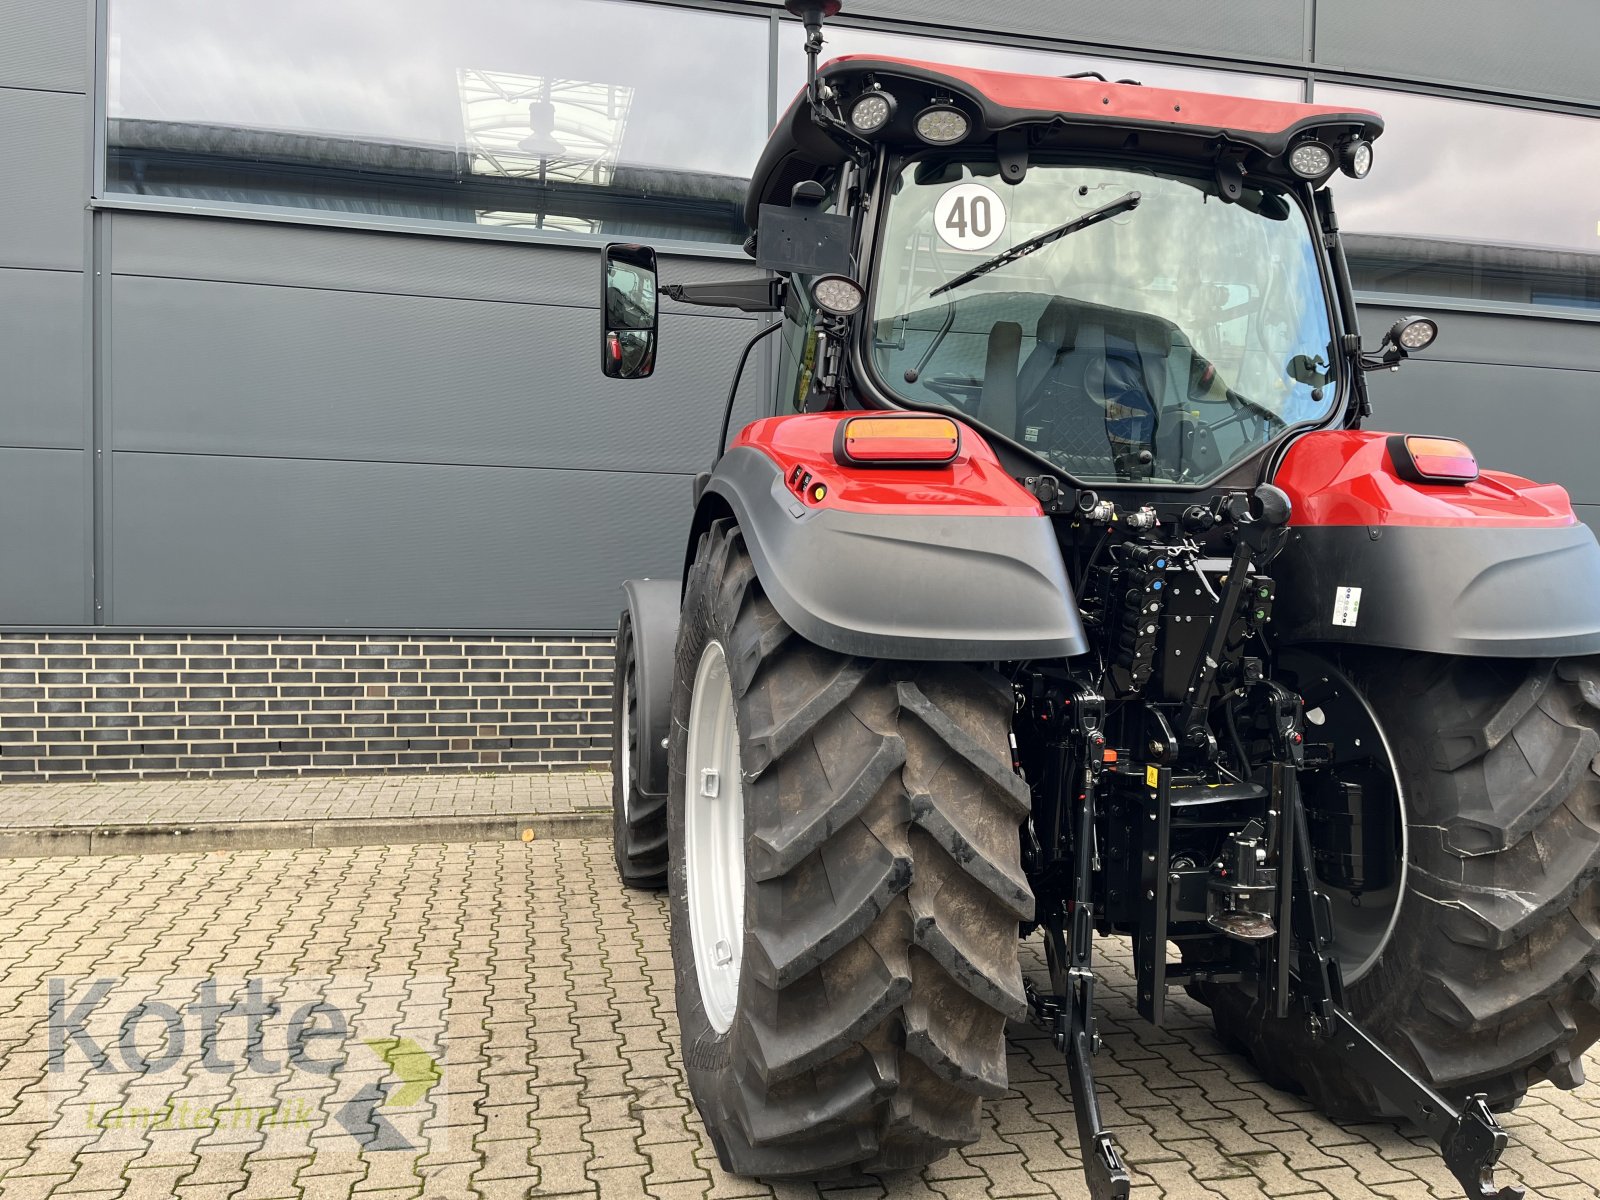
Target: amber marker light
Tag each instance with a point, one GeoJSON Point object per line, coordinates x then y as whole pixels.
{"type": "Point", "coordinates": [885, 441]}
{"type": "Point", "coordinates": [1432, 459]}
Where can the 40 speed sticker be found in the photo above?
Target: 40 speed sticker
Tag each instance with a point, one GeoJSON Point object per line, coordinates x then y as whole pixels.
{"type": "Point", "coordinates": [969, 216]}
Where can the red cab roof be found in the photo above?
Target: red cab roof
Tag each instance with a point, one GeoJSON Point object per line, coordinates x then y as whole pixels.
{"type": "Point", "coordinates": [1037, 95]}
{"type": "Point", "coordinates": [1083, 113]}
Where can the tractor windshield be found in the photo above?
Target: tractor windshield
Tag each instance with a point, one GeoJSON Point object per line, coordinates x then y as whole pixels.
{"type": "Point", "coordinates": [1162, 341]}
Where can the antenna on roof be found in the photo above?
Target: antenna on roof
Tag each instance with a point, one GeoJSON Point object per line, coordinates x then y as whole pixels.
{"type": "Point", "coordinates": [813, 13]}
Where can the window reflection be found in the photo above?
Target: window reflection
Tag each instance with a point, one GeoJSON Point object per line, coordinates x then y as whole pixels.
{"type": "Point", "coordinates": [1474, 201]}
{"type": "Point", "coordinates": [842, 40]}
{"type": "Point", "coordinates": [590, 116]}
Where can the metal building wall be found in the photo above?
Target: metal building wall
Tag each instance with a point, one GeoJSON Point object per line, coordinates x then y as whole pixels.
{"type": "Point", "coordinates": [45, 428]}
{"type": "Point", "coordinates": [314, 428]}
{"type": "Point", "coordinates": [306, 427]}
{"type": "Point", "coordinates": [311, 427]}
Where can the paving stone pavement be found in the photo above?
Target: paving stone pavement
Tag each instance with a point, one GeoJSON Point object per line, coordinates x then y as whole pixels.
{"type": "Point", "coordinates": [224, 801]}
{"type": "Point", "coordinates": [544, 1060]}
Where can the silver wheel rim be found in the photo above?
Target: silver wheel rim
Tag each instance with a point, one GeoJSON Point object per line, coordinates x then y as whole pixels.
{"type": "Point", "coordinates": [713, 837]}
{"type": "Point", "coordinates": [1361, 934]}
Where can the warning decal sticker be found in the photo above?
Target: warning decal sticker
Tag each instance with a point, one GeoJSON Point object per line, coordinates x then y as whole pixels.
{"type": "Point", "coordinates": [1346, 606]}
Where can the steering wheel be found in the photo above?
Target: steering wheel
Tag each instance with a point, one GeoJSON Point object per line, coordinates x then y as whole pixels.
{"type": "Point", "coordinates": [959, 391]}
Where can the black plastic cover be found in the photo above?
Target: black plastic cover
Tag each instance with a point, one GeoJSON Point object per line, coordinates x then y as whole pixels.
{"type": "Point", "coordinates": [1490, 591]}
{"type": "Point", "coordinates": [653, 610]}
{"type": "Point", "coordinates": [886, 585]}
{"type": "Point", "coordinates": [803, 241]}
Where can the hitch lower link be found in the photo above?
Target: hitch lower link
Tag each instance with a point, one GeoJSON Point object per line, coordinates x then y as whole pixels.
{"type": "Point", "coordinates": [1469, 1138]}
{"type": "Point", "coordinates": [1071, 1012]}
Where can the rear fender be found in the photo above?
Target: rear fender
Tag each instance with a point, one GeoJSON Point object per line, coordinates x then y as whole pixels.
{"type": "Point", "coordinates": [1500, 567]}
{"type": "Point", "coordinates": [954, 562]}
{"type": "Point", "coordinates": [653, 617]}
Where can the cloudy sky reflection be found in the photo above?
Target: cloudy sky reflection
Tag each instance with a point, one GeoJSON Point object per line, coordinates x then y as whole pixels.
{"type": "Point", "coordinates": [1474, 172]}
{"type": "Point", "coordinates": [388, 70]}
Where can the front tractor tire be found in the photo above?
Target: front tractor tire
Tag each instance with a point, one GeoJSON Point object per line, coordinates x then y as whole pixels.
{"type": "Point", "coordinates": [1491, 979]}
{"type": "Point", "coordinates": [845, 887]}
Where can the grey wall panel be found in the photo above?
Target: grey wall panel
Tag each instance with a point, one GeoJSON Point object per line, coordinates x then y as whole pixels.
{"type": "Point", "coordinates": [238, 369]}
{"type": "Point", "coordinates": [206, 541]}
{"type": "Point", "coordinates": [44, 538]}
{"type": "Point", "coordinates": [1589, 514]}
{"type": "Point", "coordinates": [1547, 49]}
{"type": "Point", "coordinates": [1493, 338]}
{"type": "Point", "coordinates": [407, 264]}
{"type": "Point", "coordinates": [44, 44]}
{"type": "Point", "coordinates": [44, 144]}
{"type": "Point", "coordinates": [43, 373]}
{"type": "Point", "coordinates": [1541, 423]}
{"type": "Point", "coordinates": [1264, 29]}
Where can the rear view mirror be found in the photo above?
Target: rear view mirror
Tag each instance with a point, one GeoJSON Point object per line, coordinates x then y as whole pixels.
{"type": "Point", "coordinates": [627, 311]}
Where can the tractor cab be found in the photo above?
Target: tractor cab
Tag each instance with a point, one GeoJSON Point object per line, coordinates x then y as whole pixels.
{"type": "Point", "coordinates": [1131, 284]}
{"type": "Point", "coordinates": [1116, 284]}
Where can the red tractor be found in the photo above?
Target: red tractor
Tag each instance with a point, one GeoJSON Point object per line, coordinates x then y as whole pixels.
{"type": "Point", "coordinates": [1074, 597]}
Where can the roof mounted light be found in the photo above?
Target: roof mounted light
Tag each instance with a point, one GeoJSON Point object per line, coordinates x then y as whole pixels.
{"type": "Point", "coordinates": [1355, 158]}
{"type": "Point", "coordinates": [871, 112]}
{"type": "Point", "coordinates": [942, 124]}
{"type": "Point", "coordinates": [1311, 160]}
{"type": "Point", "coordinates": [837, 295]}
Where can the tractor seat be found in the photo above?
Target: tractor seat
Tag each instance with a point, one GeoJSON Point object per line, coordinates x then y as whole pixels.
{"type": "Point", "coordinates": [1061, 387]}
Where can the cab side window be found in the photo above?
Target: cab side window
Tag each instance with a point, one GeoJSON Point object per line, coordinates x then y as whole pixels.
{"type": "Point", "coordinates": [797, 357]}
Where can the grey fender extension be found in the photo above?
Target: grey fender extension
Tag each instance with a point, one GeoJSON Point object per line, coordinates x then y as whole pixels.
{"type": "Point", "coordinates": [1491, 591]}
{"type": "Point", "coordinates": [909, 586]}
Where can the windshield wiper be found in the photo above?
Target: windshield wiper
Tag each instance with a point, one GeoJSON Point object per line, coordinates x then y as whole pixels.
{"type": "Point", "coordinates": [1038, 242]}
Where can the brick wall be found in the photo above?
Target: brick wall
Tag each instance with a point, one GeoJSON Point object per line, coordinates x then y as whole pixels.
{"type": "Point", "coordinates": [103, 705]}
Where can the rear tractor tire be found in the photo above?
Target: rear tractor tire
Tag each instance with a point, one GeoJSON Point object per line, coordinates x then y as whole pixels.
{"type": "Point", "coordinates": [638, 820]}
{"type": "Point", "coordinates": [846, 887]}
{"type": "Point", "coordinates": [1490, 981]}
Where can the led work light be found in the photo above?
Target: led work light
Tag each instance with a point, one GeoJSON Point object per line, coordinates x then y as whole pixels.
{"type": "Point", "coordinates": [1355, 158]}
{"type": "Point", "coordinates": [942, 124]}
{"type": "Point", "coordinates": [837, 295]}
{"type": "Point", "coordinates": [1311, 160]}
{"type": "Point", "coordinates": [871, 112]}
{"type": "Point", "coordinates": [1413, 333]}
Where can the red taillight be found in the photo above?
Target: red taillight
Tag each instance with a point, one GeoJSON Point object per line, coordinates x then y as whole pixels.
{"type": "Point", "coordinates": [893, 440]}
{"type": "Point", "coordinates": [1432, 459]}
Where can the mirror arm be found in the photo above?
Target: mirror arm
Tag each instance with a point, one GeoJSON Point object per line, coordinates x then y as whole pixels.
{"type": "Point", "coordinates": [1388, 360]}
{"type": "Point", "coordinates": [747, 295]}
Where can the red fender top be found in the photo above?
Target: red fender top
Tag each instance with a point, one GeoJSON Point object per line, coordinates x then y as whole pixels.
{"type": "Point", "coordinates": [974, 483]}
{"type": "Point", "coordinates": [1346, 477]}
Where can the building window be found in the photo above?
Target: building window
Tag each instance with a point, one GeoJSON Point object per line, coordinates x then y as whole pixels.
{"type": "Point", "coordinates": [1473, 201]}
{"type": "Point", "coordinates": [591, 116]}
